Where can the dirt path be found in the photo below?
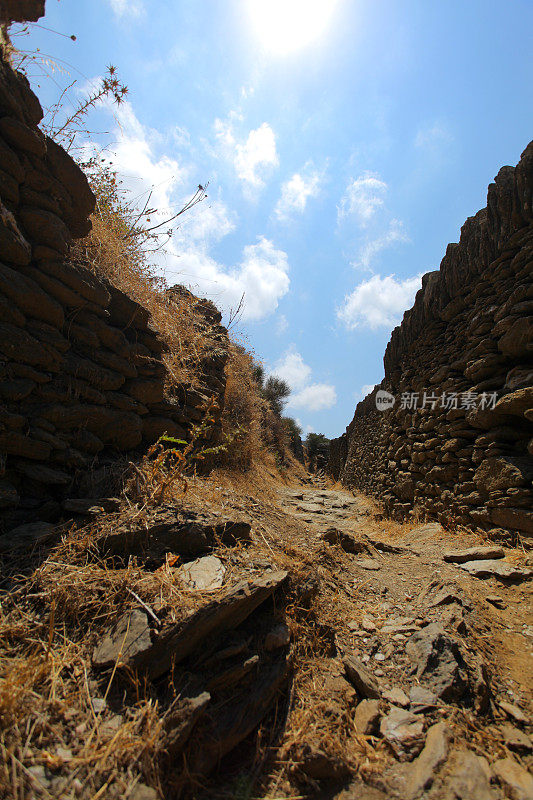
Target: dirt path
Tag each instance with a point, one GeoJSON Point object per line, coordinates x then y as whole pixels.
{"type": "Point", "coordinates": [292, 644]}
{"type": "Point", "coordinates": [400, 610]}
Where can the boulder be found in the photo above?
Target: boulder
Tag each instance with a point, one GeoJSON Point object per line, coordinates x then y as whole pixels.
{"type": "Point", "coordinates": [439, 662]}
{"type": "Point", "coordinates": [503, 472]}
{"type": "Point", "coordinates": [516, 518]}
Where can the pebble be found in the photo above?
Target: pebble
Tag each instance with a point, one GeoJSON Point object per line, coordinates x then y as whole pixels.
{"type": "Point", "coordinates": [98, 704]}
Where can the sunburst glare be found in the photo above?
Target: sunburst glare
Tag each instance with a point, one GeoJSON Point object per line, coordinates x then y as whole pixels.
{"type": "Point", "coordinates": [284, 26]}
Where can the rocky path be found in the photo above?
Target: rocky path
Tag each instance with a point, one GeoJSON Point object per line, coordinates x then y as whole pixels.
{"type": "Point", "coordinates": [434, 632]}
{"type": "Point", "coordinates": [289, 642]}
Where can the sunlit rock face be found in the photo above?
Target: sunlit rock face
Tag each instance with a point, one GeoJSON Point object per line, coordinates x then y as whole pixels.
{"type": "Point", "coordinates": [457, 443]}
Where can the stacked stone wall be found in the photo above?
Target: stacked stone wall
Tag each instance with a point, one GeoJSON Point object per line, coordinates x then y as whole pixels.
{"type": "Point", "coordinates": [469, 333]}
{"type": "Point", "coordinates": [82, 367]}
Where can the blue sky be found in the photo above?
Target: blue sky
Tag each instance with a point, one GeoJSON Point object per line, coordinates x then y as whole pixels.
{"type": "Point", "coordinates": [344, 142]}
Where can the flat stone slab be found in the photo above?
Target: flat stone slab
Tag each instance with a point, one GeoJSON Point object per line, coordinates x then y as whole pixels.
{"type": "Point", "coordinates": [129, 636]}
{"type": "Point", "coordinates": [480, 553]}
{"type": "Point", "coordinates": [220, 615]}
{"type": "Point", "coordinates": [203, 574]}
{"type": "Point", "coordinates": [514, 778]}
{"type": "Point", "coordinates": [498, 569]}
{"type": "Point", "coordinates": [26, 536]}
{"type": "Point", "coordinates": [423, 770]}
{"type": "Point", "coordinates": [311, 508]}
{"type": "Point", "coordinates": [514, 712]}
{"type": "Point", "coordinates": [421, 699]}
{"type": "Point", "coordinates": [368, 563]}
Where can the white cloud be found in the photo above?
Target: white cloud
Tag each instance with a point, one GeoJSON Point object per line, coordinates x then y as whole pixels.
{"type": "Point", "coordinates": [378, 302]}
{"type": "Point", "coordinates": [293, 369]}
{"type": "Point", "coordinates": [362, 198]}
{"type": "Point", "coordinates": [364, 390]}
{"type": "Point", "coordinates": [296, 192]}
{"type": "Point", "coordinates": [310, 396]}
{"type": "Point", "coordinates": [254, 157]}
{"type": "Point", "coordinates": [282, 324]}
{"type": "Point", "coordinates": [433, 136]}
{"type": "Point", "coordinates": [181, 137]}
{"type": "Point", "coordinates": [133, 8]}
{"type": "Point", "coordinates": [207, 224]}
{"type": "Point", "coordinates": [316, 397]}
{"type": "Point", "coordinates": [262, 274]}
{"type": "Point", "coordinates": [141, 170]}
{"type": "Point", "coordinates": [395, 234]}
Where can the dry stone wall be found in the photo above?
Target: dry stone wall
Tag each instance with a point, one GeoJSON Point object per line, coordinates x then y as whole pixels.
{"type": "Point", "coordinates": [469, 334]}
{"type": "Point", "coordinates": [82, 369]}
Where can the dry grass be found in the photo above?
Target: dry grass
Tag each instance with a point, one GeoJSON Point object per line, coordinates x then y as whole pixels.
{"type": "Point", "coordinates": [59, 604]}
{"type": "Point", "coordinates": [243, 411]}
{"type": "Point", "coordinates": [111, 251]}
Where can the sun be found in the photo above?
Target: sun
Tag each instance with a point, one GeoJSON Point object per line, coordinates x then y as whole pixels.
{"type": "Point", "coordinates": [283, 26]}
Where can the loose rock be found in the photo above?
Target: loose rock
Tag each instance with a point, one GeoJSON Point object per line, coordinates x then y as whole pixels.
{"type": "Point", "coordinates": [203, 574]}
{"type": "Point", "coordinates": [515, 739]}
{"type": "Point", "coordinates": [423, 770]}
{"type": "Point", "coordinates": [362, 679]}
{"type": "Point", "coordinates": [347, 541]}
{"type": "Point", "coordinates": [421, 699]}
{"type": "Point", "coordinates": [514, 712]}
{"type": "Point", "coordinates": [469, 779]}
{"type": "Point", "coordinates": [517, 782]}
{"type": "Point", "coordinates": [397, 697]}
{"type": "Point", "coordinates": [404, 731]}
{"type": "Point", "coordinates": [498, 569]}
{"type": "Point", "coordinates": [130, 635]}
{"type": "Point", "coordinates": [280, 636]}
{"type": "Point", "coordinates": [366, 717]}
{"type": "Point", "coordinates": [474, 554]}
